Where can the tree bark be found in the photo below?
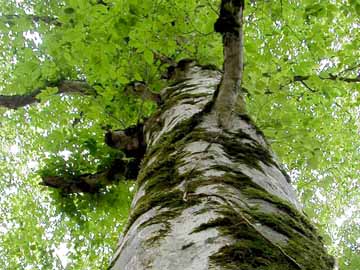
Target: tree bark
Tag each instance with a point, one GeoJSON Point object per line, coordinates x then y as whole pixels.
{"type": "Point", "coordinates": [229, 98]}
{"type": "Point", "coordinates": [211, 197]}
{"type": "Point", "coordinates": [211, 194]}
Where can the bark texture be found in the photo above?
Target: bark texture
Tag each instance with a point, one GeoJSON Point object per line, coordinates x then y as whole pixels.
{"type": "Point", "coordinates": [210, 197]}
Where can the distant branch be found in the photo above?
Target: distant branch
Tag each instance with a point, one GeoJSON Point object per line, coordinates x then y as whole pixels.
{"type": "Point", "coordinates": [331, 77]}
{"type": "Point", "coordinates": [212, 8]}
{"type": "Point", "coordinates": [349, 69]}
{"type": "Point", "coordinates": [64, 87]}
{"type": "Point", "coordinates": [302, 79]}
{"type": "Point", "coordinates": [344, 79]}
{"type": "Point", "coordinates": [307, 86]}
{"type": "Point", "coordinates": [10, 19]}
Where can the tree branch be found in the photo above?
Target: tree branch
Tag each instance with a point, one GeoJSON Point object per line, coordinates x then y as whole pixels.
{"type": "Point", "coordinates": [139, 89]}
{"type": "Point", "coordinates": [331, 77]}
{"type": "Point", "coordinates": [307, 86]}
{"type": "Point", "coordinates": [230, 25]}
{"type": "Point", "coordinates": [64, 87]}
{"type": "Point", "coordinates": [93, 183]}
{"type": "Point", "coordinates": [130, 141]}
{"type": "Point", "coordinates": [88, 183]}
{"type": "Point", "coordinates": [35, 18]}
{"type": "Point", "coordinates": [303, 79]}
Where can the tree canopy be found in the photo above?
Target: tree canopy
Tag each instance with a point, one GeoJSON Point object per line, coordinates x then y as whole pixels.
{"type": "Point", "coordinates": [68, 71]}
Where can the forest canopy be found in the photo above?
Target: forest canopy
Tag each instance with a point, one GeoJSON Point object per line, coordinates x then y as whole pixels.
{"type": "Point", "coordinates": [68, 75]}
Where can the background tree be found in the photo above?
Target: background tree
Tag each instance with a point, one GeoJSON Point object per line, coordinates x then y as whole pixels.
{"type": "Point", "coordinates": [301, 75]}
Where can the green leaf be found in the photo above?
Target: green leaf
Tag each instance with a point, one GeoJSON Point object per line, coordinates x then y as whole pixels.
{"type": "Point", "coordinates": [69, 10]}
{"type": "Point", "coordinates": [123, 80]}
{"type": "Point", "coordinates": [137, 77]}
{"type": "Point", "coordinates": [149, 57]}
{"type": "Point", "coordinates": [357, 8]}
{"type": "Point", "coordinates": [47, 93]}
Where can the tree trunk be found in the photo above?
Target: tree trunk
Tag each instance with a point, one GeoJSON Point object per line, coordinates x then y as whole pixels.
{"type": "Point", "coordinates": [211, 197]}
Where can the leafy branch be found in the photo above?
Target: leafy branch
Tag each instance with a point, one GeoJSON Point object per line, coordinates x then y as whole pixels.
{"type": "Point", "coordinates": [63, 86]}
{"type": "Point", "coordinates": [139, 89]}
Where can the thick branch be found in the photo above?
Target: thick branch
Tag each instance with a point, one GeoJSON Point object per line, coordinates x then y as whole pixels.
{"type": "Point", "coordinates": [130, 141]}
{"type": "Point", "coordinates": [90, 183]}
{"type": "Point", "coordinates": [93, 183]}
{"type": "Point", "coordinates": [64, 87]}
{"type": "Point", "coordinates": [139, 89]}
{"type": "Point", "coordinates": [230, 24]}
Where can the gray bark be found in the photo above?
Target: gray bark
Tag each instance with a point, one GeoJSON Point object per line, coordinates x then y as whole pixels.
{"type": "Point", "coordinates": [210, 197]}
{"type": "Point", "coordinates": [230, 99]}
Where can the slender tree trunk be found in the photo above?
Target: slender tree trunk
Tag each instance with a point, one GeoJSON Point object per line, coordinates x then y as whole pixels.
{"type": "Point", "coordinates": [211, 197]}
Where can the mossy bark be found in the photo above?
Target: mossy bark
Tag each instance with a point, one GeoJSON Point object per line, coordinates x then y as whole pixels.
{"type": "Point", "coordinates": [212, 198]}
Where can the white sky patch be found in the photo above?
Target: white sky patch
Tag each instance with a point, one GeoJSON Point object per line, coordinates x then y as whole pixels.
{"type": "Point", "coordinates": [65, 154]}
{"type": "Point", "coordinates": [320, 196]}
{"type": "Point", "coordinates": [33, 36]}
{"type": "Point", "coordinates": [3, 229]}
{"type": "Point", "coordinates": [294, 174]}
{"type": "Point", "coordinates": [327, 63]}
{"type": "Point", "coordinates": [14, 149]}
{"type": "Point", "coordinates": [33, 164]}
{"type": "Point", "coordinates": [27, 8]}
{"type": "Point", "coordinates": [339, 221]}
{"type": "Point", "coordinates": [61, 252]}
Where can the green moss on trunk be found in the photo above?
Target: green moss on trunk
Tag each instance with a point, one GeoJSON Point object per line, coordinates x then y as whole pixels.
{"type": "Point", "coordinates": [249, 248]}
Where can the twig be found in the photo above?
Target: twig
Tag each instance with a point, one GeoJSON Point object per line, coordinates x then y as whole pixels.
{"type": "Point", "coordinates": [212, 8]}
{"type": "Point", "coordinates": [307, 86]}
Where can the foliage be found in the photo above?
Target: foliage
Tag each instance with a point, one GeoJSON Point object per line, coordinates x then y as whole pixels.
{"type": "Point", "coordinates": [297, 53]}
